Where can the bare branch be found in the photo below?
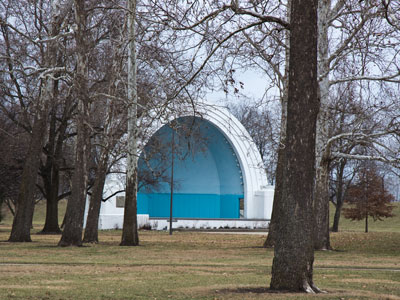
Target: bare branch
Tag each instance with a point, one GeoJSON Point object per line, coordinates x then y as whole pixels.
{"type": "Point", "coordinates": [395, 78]}
{"type": "Point", "coordinates": [366, 157]}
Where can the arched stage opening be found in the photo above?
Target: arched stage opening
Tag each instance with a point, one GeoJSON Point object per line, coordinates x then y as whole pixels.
{"type": "Point", "coordinates": [207, 177]}
{"type": "Point", "coordinates": [218, 176]}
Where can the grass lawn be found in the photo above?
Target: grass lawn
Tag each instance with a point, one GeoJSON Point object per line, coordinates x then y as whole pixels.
{"type": "Point", "coordinates": [191, 265]}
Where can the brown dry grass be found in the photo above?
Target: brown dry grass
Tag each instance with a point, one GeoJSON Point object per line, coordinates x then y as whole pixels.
{"type": "Point", "coordinates": [194, 266]}
{"type": "Point", "coordinates": [191, 265]}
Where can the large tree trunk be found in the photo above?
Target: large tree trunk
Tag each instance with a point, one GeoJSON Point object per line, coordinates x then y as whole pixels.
{"type": "Point", "coordinates": [292, 267]}
{"type": "Point", "coordinates": [130, 236]}
{"type": "Point", "coordinates": [51, 183]}
{"type": "Point", "coordinates": [51, 225]}
{"type": "Point", "coordinates": [321, 196]}
{"type": "Point", "coordinates": [21, 227]}
{"type": "Point", "coordinates": [92, 222]}
{"type": "Point", "coordinates": [72, 234]}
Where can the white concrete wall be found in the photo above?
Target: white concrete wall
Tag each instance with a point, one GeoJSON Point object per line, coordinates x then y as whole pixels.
{"type": "Point", "coordinates": [117, 221]}
{"type": "Point", "coordinates": [111, 217]}
{"type": "Point", "coordinates": [163, 224]}
{"type": "Point", "coordinates": [263, 201]}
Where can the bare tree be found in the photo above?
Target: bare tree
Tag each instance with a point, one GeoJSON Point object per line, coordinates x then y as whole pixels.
{"type": "Point", "coordinates": [130, 236]}
{"type": "Point", "coordinates": [260, 121]}
{"type": "Point", "coordinates": [38, 36]}
{"type": "Point", "coordinates": [361, 44]}
{"type": "Point", "coordinates": [72, 234]}
{"type": "Point", "coordinates": [110, 124]}
{"type": "Point", "coordinates": [342, 176]}
{"type": "Point", "coordinates": [15, 25]}
{"type": "Point", "coordinates": [55, 162]}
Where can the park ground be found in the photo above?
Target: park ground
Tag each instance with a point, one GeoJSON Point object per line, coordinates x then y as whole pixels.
{"type": "Point", "coordinates": [195, 265]}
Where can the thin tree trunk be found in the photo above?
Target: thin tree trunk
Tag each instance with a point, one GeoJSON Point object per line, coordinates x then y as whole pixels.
{"type": "Point", "coordinates": [92, 222]}
{"type": "Point", "coordinates": [339, 196]}
{"type": "Point", "coordinates": [366, 211]}
{"type": "Point", "coordinates": [336, 218]}
{"type": "Point", "coordinates": [321, 207]}
{"type": "Point", "coordinates": [72, 234]}
{"type": "Point", "coordinates": [292, 267]}
{"type": "Point", "coordinates": [321, 193]}
{"type": "Point", "coordinates": [130, 236]}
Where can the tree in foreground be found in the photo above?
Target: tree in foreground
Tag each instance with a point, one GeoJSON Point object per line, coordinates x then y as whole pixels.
{"type": "Point", "coordinates": [130, 236]}
{"type": "Point", "coordinates": [292, 267]}
{"type": "Point", "coordinates": [72, 234]}
{"type": "Point", "coordinates": [368, 197]}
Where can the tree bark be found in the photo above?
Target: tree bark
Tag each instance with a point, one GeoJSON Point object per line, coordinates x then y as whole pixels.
{"type": "Point", "coordinates": [130, 236]}
{"type": "Point", "coordinates": [22, 223]}
{"type": "Point", "coordinates": [51, 225]}
{"type": "Point", "coordinates": [321, 193]}
{"type": "Point", "coordinates": [292, 267]}
{"type": "Point", "coordinates": [92, 222]}
{"type": "Point", "coordinates": [72, 234]}
{"type": "Point", "coordinates": [321, 206]}
{"type": "Point", "coordinates": [336, 218]}
{"type": "Point", "coordinates": [339, 196]}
